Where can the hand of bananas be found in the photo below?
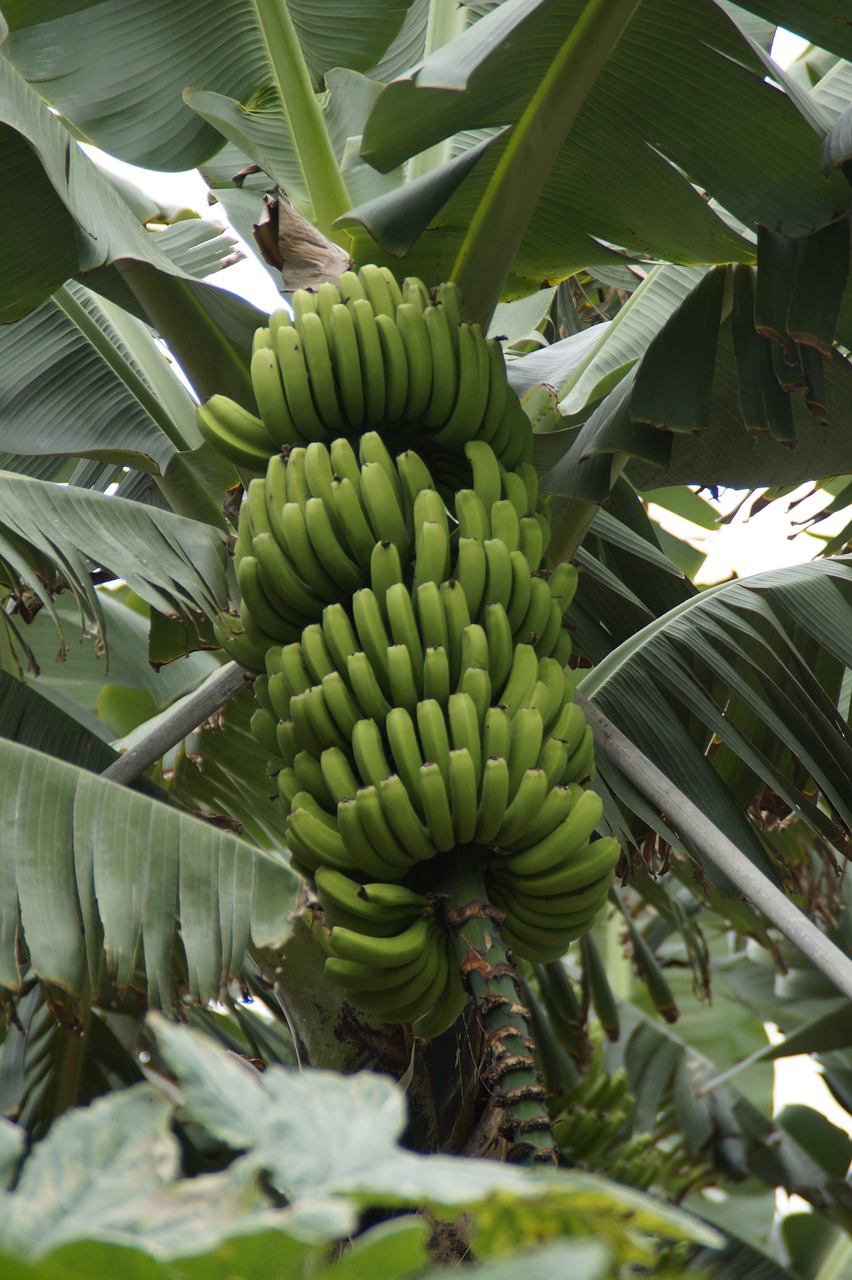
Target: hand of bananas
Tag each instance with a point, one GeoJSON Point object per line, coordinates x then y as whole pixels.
{"type": "Point", "coordinates": [408, 626]}
{"type": "Point", "coordinates": [371, 354]}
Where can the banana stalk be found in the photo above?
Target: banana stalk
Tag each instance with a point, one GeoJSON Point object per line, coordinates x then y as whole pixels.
{"type": "Point", "coordinates": [507, 1066]}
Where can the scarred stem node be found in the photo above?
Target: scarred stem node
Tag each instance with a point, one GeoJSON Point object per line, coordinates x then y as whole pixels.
{"type": "Point", "coordinates": [507, 1066]}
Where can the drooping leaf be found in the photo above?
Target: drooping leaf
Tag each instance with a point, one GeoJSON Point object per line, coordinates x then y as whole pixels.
{"type": "Point", "coordinates": [78, 377]}
{"type": "Point", "coordinates": [287, 1121]}
{"type": "Point", "coordinates": [464, 85]}
{"type": "Point", "coordinates": [175, 564]}
{"type": "Point", "coordinates": [67, 870]}
{"type": "Point", "coordinates": [750, 644]}
{"type": "Point", "coordinates": [111, 1171]}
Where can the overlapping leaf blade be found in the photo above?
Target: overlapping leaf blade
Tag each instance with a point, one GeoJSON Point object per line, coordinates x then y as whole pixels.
{"type": "Point", "coordinates": [642, 91]}
{"type": "Point", "coordinates": [745, 647]}
{"type": "Point", "coordinates": [104, 871]}
{"type": "Point", "coordinates": [105, 65]}
{"type": "Point", "coordinates": [177, 565]}
{"type": "Point", "coordinates": [70, 354]}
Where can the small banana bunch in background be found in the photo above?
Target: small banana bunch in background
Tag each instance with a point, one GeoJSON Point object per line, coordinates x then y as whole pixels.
{"type": "Point", "coordinates": [407, 625]}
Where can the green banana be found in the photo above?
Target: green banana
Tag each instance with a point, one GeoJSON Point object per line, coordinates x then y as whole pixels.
{"type": "Point", "coordinates": [359, 538]}
{"type": "Point", "coordinates": [324, 540]}
{"type": "Point", "coordinates": [395, 363]}
{"type": "Point", "coordinates": [339, 779]}
{"type": "Point", "coordinates": [383, 509]}
{"type": "Point", "coordinates": [418, 354]}
{"type": "Point", "coordinates": [472, 393]}
{"type": "Point", "coordinates": [414, 475]}
{"type": "Point", "coordinates": [234, 432]}
{"type": "Point", "coordinates": [377, 291]}
{"type": "Point", "coordinates": [385, 952]}
{"type": "Point", "coordinates": [436, 674]}
{"type": "Point", "coordinates": [271, 401]}
{"type": "Point", "coordinates": [375, 823]}
{"type": "Point", "coordinates": [370, 624]}
{"type": "Point", "coordinates": [371, 359]}
{"type": "Point", "coordinates": [320, 370]}
{"type": "Point", "coordinates": [401, 674]}
{"type": "Point", "coordinates": [385, 572]}
{"type": "Point", "coordinates": [405, 751]}
{"type": "Point", "coordinates": [471, 570]}
{"type": "Point", "coordinates": [487, 480]}
{"type": "Point", "coordinates": [297, 386]}
{"type": "Point", "coordinates": [348, 369]}
{"type": "Point", "coordinates": [447, 1008]}
{"type": "Point", "coordinates": [500, 651]}
{"type": "Point", "coordinates": [464, 794]}
{"type": "Point", "coordinates": [493, 799]}
{"type": "Point", "coordinates": [366, 689]}
{"type": "Point", "coordinates": [404, 820]}
{"type": "Point", "coordinates": [403, 627]}
{"type": "Point", "coordinates": [443, 341]}
{"type": "Point", "coordinates": [359, 846]}
{"type": "Point", "coordinates": [432, 552]}
{"type": "Point", "coordinates": [563, 841]}
{"type": "Point", "coordinates": [368, 751]}
{"type": "Point", "coordinates": [436, 806]}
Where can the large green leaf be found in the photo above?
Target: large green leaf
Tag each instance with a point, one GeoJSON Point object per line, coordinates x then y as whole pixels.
{"type": "Point", "coordinates": [112, 1171]}
{"type": "Point", "coordinates": [671, 98]}
{"type": "Point", "coordinates": [103, 66]}
{"type": "Point", "coordinates": [84, 226]}
{"type": "Point", "coordinates": [82, 377]}
{"type": "Point", "coordinates": [78, 377]}
{"type": "Point", "coordinates": [289, 1123]}
{"type": "Point", "coordinates": [742, 422]}
{"type": "Point", "coordinates": [107, 877]}
{"type": "Point", "coordinates": [82, 222]}
{"type": "Point", "coordinates": [77, 671]}
{"type": "Point", "coordinates": [816, 21]}
{"type": "Point", "coordinates": [773, 647]}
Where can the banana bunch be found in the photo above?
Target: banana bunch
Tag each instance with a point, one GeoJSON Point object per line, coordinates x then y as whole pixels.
{"type": "Point", "coordinates": [371, 354]}
{"type": "Point", "coordinates": [399, 605]}
{"type": "Point", "coordinates": [315, 528]}
{"type": "Point", "coordinates": [394, 750]}
{"type": "Point", "coordinates": [390, 952]}
{"type": "Point", "coordinates": [596, 1114]}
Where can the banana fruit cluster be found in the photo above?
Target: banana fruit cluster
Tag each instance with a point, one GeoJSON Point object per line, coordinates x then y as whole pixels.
{"type": "Point", "coordinates": [595, 1131]}
{"type": "Point", "coordinates": [371, 354]}
{"type": "Point", "coordinates": [390, 952]}
{"type": "Point", "coordinates": [406, 623]}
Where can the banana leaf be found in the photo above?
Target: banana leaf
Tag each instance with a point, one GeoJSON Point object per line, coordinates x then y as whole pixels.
{"type": "Point", "coordinates": [758, 658]}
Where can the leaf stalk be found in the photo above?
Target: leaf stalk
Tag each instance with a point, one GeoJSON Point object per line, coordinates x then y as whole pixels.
{"type": "Point", "coordinates": [498, 226]}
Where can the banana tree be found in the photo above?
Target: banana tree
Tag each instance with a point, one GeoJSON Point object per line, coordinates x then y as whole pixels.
{"type": "Point", "coordinates": [393, 134]}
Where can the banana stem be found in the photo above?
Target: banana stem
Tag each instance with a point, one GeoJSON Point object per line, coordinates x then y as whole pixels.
{"type": "Point", "coordinates": [174, 725]}
{"type": "Point", "coordinates": [313, 145]}
{"type": "Point", "coordinates": [498, 226]}
{"type": "Point", "coordinates": [507, 1067]}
